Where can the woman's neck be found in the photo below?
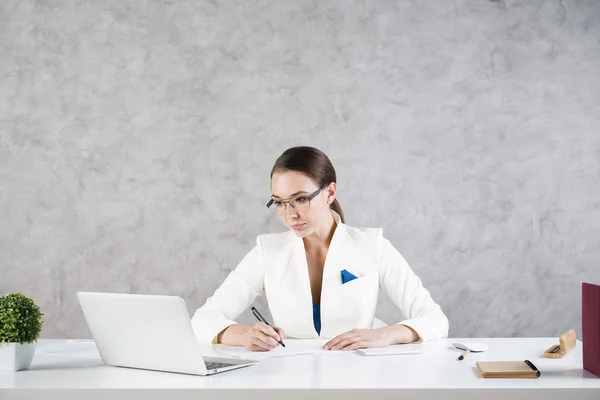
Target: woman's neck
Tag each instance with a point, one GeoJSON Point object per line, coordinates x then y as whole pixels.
{"type": "Point", "coordinates": [320, 240]}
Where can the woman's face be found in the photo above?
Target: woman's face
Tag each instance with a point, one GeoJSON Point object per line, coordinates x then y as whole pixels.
{"type": "Point", "coordinates": [307, 216]}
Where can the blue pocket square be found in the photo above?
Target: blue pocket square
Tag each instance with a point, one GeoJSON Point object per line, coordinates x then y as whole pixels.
{"type": "Point", "coordinates": [347, 276]}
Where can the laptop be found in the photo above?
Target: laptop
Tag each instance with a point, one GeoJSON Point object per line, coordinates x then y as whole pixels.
{"type": "Point", "coordinates": [148, 332]}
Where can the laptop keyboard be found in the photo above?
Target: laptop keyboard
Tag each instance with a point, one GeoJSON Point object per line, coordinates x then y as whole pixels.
{"type": "Point", "coordinates": [214, 365]}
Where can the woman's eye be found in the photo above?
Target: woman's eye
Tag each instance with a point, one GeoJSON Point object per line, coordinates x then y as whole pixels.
{"type": "Point", "coordinates": [301, 199]}
{"type": "Point", "coordinates": [278, 203]}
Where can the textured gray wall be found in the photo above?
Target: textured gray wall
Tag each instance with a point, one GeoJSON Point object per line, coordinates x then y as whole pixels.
{"type": "Point", "coordinates": [136, 140]}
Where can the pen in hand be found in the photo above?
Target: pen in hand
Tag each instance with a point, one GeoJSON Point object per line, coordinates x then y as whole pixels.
{"type": "Point", "coordinates": [259, 316]}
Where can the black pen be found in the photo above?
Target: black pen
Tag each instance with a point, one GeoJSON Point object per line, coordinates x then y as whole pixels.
{"type": "Point", "coordinates": [262, 319]}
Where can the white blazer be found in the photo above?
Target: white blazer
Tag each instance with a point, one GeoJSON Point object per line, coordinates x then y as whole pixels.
{"type": "Point", "coordinates": [277, 267]}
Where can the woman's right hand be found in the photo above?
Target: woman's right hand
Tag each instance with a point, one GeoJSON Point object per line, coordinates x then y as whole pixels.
{"type": "Point", "coordinates": [262, 337]}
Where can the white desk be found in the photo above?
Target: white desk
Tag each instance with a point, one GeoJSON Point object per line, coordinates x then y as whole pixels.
{"type": "Point", "coordinates": [434, 374]}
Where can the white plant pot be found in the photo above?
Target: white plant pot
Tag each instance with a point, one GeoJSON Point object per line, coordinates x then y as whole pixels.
{"type": "Point", "coordinates": [16, 356]}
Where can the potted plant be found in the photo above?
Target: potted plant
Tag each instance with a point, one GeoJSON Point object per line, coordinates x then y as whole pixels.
{"type": "Point", "coordinates": [20, 327]}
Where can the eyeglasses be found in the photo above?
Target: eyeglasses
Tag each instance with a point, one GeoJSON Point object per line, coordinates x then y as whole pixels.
{"type": "Point", "coordinates": [299, 203]}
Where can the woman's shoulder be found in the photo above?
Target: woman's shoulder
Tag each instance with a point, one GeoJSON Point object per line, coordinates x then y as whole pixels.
{"type": "Point", "coordinates": [364, 243]}
{"type": "Point", "coordinates": [363, 233]}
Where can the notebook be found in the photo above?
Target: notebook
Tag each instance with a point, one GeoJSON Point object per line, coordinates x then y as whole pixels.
{"type": "Point", "coordinates": [293, 347]}
{"type": "Point", "coordinates": [590, 327]}
{"type": "Point", "coordinates": [508, 369]}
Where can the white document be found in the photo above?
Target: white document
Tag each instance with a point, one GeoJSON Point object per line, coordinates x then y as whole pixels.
{"type": "Point", "coordinates": [413, 348]}
{"type": "Point", "coordinates": [69, 348]}
{"type": "Point", "coordinates": [293, 347]}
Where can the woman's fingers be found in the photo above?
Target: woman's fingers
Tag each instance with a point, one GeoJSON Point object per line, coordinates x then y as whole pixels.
{"type": "Point", "coordinates": [345, 343]}
{"type": "Point", "coordinates": [260, 342]}
{"type": "Point", "coordinates": [352, 340]}
{"type": "Point", "coordinates": [256, 347]}
{"type": "Point", "coordinates": [356, 345]}
{"type": "Point", "coordinates": [260, 338]}
{"type": "Point", "coordinates": [279, 332]}
{"type": "Point", "coordinates": [268, 331]}
{"type": "Point", "coordinates": [263, 336]}
{"type": "Point", "coordinates": [264, 342]}
{"type": "Point", "coordinates": [336, 340]}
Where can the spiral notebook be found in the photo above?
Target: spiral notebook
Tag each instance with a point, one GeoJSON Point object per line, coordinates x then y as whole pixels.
{"type": "Point", "coordinates": [508, 369]}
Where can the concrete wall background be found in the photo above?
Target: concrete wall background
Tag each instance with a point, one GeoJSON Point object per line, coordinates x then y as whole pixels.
{"type": "Point", "coordinates": [136, 139]}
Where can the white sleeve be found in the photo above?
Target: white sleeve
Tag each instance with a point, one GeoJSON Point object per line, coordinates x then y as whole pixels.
{"type": "Point", "coordinates": [235, 294]}
{"type": "Point", "coordinates": [407, 292]}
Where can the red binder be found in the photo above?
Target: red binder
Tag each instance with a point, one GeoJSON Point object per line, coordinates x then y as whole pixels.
{"type": "Point", "coordinates": [590, 332]}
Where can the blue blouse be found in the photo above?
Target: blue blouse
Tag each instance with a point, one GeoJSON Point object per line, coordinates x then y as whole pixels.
{"type": "Point", "coordinates": [317, 317]}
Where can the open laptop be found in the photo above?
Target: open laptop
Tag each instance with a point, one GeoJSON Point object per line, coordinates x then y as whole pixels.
{"type": "Point", "coordinates": [148, 332]}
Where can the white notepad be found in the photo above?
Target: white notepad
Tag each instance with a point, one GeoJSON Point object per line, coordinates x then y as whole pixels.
{"type": "Point", "coordinates": [293, 347]}
{"type": "Point", "coordinates": [413, 348]}
{"type": "Point", "coordinates": [75, 348]}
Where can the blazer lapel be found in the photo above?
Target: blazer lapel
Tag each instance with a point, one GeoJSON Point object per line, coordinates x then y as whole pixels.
{"type": "Point", "coordinates": [288, 291]}
{"type": "Point", "coordinates": [337, 260]}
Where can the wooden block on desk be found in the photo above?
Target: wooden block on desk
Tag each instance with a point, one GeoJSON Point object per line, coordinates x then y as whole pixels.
{"type": "Point", "coordinates": [567, 342]}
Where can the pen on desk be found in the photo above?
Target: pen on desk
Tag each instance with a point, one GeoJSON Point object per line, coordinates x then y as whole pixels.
{"type": "Point", "coordinates": [464, 354]}
{"type": "Point", "coordinates": [259, 316]}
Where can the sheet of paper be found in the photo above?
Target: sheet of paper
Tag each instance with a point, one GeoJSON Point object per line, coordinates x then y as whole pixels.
{"type": "Point", "coordinates": [293, 347]}
{"type": "Point", "coordinates": [75, 348]}
{"type": "Point", "coordinates": [415, 348]}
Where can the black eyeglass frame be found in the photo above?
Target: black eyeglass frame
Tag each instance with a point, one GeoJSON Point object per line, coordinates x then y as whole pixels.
{"type": "Point", "coordinates": [309, 197]}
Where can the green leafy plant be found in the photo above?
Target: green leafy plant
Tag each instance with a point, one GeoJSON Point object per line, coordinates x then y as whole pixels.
{"type": "Point", "coordinates": [20, 319]}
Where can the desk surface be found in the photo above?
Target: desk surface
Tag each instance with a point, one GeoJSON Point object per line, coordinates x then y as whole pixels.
{"type": "Point", "coordinates": [435, 373]}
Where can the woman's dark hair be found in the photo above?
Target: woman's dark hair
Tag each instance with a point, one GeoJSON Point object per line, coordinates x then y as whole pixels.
{"type": "Point", "coordinates": [313, 163]}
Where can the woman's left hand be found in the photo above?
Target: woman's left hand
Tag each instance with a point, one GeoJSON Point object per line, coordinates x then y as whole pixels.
{"type": "Point", "coordinates": [363, 338]}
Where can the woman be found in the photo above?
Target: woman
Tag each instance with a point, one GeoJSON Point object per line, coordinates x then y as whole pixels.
{"type": "Point", "coordinates": [322, 277]}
